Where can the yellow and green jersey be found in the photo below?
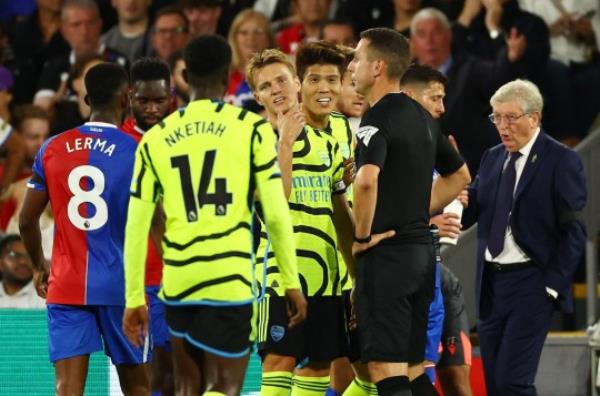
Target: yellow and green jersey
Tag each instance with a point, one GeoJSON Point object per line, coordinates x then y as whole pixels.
{"type": "Point", "coordinates": [317, 174]}
{"type": "Point", "coordinates": [206, 162]}
{"type": "Point", "coordinates": [339, 128]}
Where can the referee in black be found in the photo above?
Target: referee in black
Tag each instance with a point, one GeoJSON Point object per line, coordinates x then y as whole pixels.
{"type": "Point", "coordinates": [399, 145]}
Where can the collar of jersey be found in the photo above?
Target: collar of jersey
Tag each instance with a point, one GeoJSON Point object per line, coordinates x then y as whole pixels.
{"type": "Point", "coordinates": [100, 124]}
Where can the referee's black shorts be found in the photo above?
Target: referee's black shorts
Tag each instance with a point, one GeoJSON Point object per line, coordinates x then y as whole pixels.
{"type": "Point", "coordinates": [395, 285]}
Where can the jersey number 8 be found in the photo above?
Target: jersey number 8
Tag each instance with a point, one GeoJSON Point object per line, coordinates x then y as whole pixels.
{"type": "Point", "coordinates": [92, 196]}
{"type": "Point", "coordinates": [220, 198]}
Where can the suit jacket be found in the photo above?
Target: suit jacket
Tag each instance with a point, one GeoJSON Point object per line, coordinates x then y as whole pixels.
{"type": "Point", "coordinates": [545, 216]}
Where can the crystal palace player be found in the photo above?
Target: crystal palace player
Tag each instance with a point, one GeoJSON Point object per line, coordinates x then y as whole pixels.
{"type": "Point", "coordinates": [81, 172]}
{"type": "Point", "coordinates": [151, 102]}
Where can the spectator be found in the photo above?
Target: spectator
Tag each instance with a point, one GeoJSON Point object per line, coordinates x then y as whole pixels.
{"type": "Point", "coordinates": [403, 13]}
{"type": "Point", "coordinates": [11, 143]}
{"type": "Point", "coordinates": [74, 111]}
{"type": "Point", "coordinates": [312, 14]}
{"type": "Point", "coordinates": [170, 33]}
{"type": "Point", "coordinates": [365, 14]}
{"type": "Point", "coordinates": [180, 86]}
{"type": "Point", "coordinates": [483, 24]}
{"type": "Point", "coordinates": [33, 124]}
{"type": "Point", "coordinates": [339, 31]}
{"type": "Point", "coordinates": [275, 10]}
{"type": "Point", "coordinates": [80, 26]}
{"type": "Point", "coordinates": [35, 39]}
{"type": "Point", "coordinates": [250, 33]}
{"type": "Point", "coordinates": [452, 8]}
{"type": "Point", "coordinates": [470, 81]}
{"type": "Point", "coordinates": [17, 290]}
{"type": "Point", "coordinates": [202, 15]}
{"type": "Point", "coordinates": [131, 35]}
{"type": "Point", "coordinates": [574, 42]}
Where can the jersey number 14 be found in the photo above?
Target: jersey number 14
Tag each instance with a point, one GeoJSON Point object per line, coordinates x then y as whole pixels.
{"type": "Point", "coordinates": [220, 198]}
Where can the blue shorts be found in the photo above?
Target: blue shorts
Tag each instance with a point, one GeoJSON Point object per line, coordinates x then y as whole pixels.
{"type": "Point", "coordinates": [435, 323]}
{"type": "Point", "coordinates": [158, 323]}
{"type": "Point", "coordinates": [77, 330]}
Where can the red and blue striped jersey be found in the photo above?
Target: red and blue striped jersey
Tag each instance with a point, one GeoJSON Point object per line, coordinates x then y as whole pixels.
{"type": "Point", "coordinates": [86, 172]}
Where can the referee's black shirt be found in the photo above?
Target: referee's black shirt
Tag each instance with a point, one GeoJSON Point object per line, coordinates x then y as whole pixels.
{"type": "Point", "coordinates": [400, 137]}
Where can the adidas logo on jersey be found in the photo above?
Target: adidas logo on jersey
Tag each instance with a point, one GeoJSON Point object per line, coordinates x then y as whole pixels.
{"type": "Point", "coordinates": [365, 133]}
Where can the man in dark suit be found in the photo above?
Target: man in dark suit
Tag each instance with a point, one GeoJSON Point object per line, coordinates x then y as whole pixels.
{"type": "Point", "coordinates": [527, 199]}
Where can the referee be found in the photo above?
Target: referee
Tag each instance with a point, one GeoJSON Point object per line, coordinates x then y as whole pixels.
{"type": "Point", "coordinates": [399, 145]}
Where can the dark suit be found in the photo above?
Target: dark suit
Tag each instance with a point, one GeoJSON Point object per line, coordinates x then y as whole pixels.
{"type": "Point", "coordinates": [514, 308]}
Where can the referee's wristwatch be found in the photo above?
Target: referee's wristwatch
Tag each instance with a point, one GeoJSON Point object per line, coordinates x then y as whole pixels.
{"type": "Point", "coordinates": [366, 239]}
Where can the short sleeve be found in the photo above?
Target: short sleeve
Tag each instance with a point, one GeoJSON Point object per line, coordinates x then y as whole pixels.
{"type": "Point", "coordinates": [144, 184]}
{"type": "Point", "coordinates": [339, 187]}
{"type": "Point", "coordinates": [371, 146]}
{"type": "Point", "coordinates": [264, 152]}
{"type": "Point", "coordinates": [447, 159]}
{"type": "Point", "coordinates": [38, 178]}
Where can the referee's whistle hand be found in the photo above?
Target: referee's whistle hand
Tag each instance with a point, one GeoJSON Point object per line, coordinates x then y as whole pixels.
{"type": "Point", "coordinates": [135, 325]}
{"type": "Point", "coordinates": [296, 307]}
{"type": "Point", "coordinates": [359, 248]}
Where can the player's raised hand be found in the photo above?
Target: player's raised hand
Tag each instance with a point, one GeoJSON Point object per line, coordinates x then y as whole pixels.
{"type": "Point", "coordinates": [40, 281]}
{"type": "Point", "coordinates": [447, 224]}
{"type": "Point", "coordinates": [135, 325]}
{"type": "Point", "coordinates": [296, 306]}
{"type": "Point", "coordinates": [358, 248]}
{"type": "Point", "coordinates": [290, 124]}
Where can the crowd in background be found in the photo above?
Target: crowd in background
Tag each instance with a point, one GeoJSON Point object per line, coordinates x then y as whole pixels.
{"type": "Point", "coordinates": [47, 46]}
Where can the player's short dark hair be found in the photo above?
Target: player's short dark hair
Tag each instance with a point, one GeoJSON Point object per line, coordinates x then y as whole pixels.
{"type": "Point", "coordinates": [391, 47]}
{"type": "Point", "coordinates": [103, 82]}
{"type": "Point", "coordinates": [421, 74]}
{"type": "Point", "coordinates": [7, 240]}
{"type": "Point", "coordinates": [207, 60]}
{"type": "Point", "coordinates": [319, 53]}
{"type": "Point", "coordinates": [149, 69]}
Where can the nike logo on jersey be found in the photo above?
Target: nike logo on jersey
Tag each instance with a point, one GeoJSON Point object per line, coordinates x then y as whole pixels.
{"type": "Point", "coordinates": [365, 133]}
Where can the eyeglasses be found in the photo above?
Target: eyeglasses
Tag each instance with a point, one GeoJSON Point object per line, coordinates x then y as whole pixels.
{"type": "Point", "coordinates": [509, 118]}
